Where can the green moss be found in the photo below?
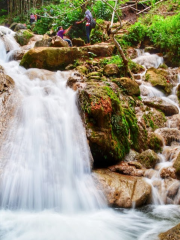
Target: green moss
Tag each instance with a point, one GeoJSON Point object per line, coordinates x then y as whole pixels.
{"type": "Point", "coordinates": [155, 143]}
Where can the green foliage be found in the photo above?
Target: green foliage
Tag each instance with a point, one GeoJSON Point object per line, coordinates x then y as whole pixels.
{"type": "Point", "coordinates": [163, 33]}
{"type": "Point", "coordinates": [97, 34]}
{"type": "Point", "coordinates": [112, 60]}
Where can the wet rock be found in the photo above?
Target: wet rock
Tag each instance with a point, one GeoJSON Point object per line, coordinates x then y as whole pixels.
{"type": "Point", "coordinates": [171, 187]}
{"type": "Point", "coordinates": [59, 42]}
{"type": "Point", "coordinates": [111, 70]}
{"type": "Point", "coordinates": [127, 84]}
{"type": "Point", "coordinates": [167, 108]}
{"type": "Point", "coordinates": [121, 190]}
{"type": "Point", "coordinates": [155, 142]}
{"type": "Point", "coordinates": [131, 156]}
{"type": "Point", "coordinates": [82, 69]}
{"type": "Point", "coordinates": [148, 158]}
{"type": "Point", "coordinates": [18, 54]}
{"type": "Point", "coordinates": [169, 172]}
{"type": "Point", "coordinates": [159, 79]}
{"type": "Point", "coordinates": [171, 234]}
{"type": "Point", "coordinates": [7, 100]}
{"type": "Point", "coordinates": [78, 42]}
{"type": "Point", "coordinates": [178, 92]}
{"type": "Point", "coordinates": [58, 58]}
{"type": "Point", "coordinates": [128, 168]}
{"type": "Point", "coordinates": [176, 164]}
{"type": "Point", "coordinates": [23, 37]}
{"type": "Point", "coordinates": [169, 135]}
{"type": "Point", "coordinates": [107, 122]}
{"type": "Point", "coordinates": [142, 137]}
{"type": "Point", "coordinates": [152, 118]}
{"type": "Point", "coordinates": [132, 53]}
{"type": "Point", "coordinates": [173, 121]}
{"type": "Point", "coordinates": [71, 82]}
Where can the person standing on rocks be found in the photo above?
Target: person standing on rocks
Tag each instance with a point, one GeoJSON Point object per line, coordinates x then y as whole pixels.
{"type": "Point", "coordinates": [61, 33]}
{"type": "Point", "coordinates": [88, 17]}
{"type": "Point", "coordinates": [32, 18]}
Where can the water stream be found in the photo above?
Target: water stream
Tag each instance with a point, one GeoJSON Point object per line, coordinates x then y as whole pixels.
{"type": "Point", "coordinates": [46, 188]}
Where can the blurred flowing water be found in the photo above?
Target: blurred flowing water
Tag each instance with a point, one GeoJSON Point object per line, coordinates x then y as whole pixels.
{"type": "Point", "coordinates": [46, 188]}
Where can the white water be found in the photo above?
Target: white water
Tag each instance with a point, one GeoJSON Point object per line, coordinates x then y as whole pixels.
{"type": "Point", "coordinates": [46, 188]}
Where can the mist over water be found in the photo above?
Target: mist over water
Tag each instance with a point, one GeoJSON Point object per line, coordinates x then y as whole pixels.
{"type": "Point", "coordinates": [46, 188]}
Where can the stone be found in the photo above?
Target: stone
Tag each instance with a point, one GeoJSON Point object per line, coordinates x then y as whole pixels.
{"type": "Point", "coordinates": [151, 50]}
{"type": "Point", "coordinates": [148, 158]}
{"type": "Point", "coordinates": [106, 122]}
{"type": "Point", "coordinates": [132, 53]}
{"type": "Point", "coordinates": [111, 70]}
{"type": "Point", "coordinates": [78, 42]}
{"type": "Point", "coordinates": [128, 168]}
{"type": "Point", "coordinates": [131, 156]}
{"type": "Point", "coordinates": [155, 142]}
{"type": "Point", "coordinates": [159, 79]}
{"type": "Point", "coordinates": [152, 118]}
{"type": "Point", "coordinates": [46, 41]}
{"type": "Point", "coordinates": [82, 69]}
{"type": "Point", "coordinates": [167, 108]}
{"type": "Point", "coordinates": [168, 172]}
{"type": "Point", "coordinates": [59, 42]}
{"type": "Point", "coordinates": [127, 84]}
{"type": "Point", "coordinates": [23, 36]}
{"type": "Point", "coordinates": [176, 164]}
{"type": "Point", "coordinates": [169, 135]}
{"type": "Point", "coordinates": [121, 190]}
{"type": "Point", "coordinates": [52, 58]}
{"type": "Point", "coordinates": [173, 121]}
{"type": "Point", "coordinates": [171, 234]}
{"type": "Point", "coordinates": [19, 26]}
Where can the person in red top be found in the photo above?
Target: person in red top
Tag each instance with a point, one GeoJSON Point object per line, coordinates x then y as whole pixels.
{"type": "Point", "coordinates": [88, 17]}
{"type": "Point", "coordinates": [32, 18]}
{"type": "Point", "coordinates": [61, 33]}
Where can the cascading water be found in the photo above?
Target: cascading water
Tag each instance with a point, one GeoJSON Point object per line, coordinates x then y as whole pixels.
{"type": "Point", "coordinates": [46, 189]}
{"type": "Point", "coordinates": [159, 191]}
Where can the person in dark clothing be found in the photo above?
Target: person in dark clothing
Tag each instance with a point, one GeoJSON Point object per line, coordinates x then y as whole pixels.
{"type": "Point", "coordinates": [32, 18]}
{"type": "Point", "coordinates": [88, 17]}
{"type": "Point", "coordinates": [61, 33]}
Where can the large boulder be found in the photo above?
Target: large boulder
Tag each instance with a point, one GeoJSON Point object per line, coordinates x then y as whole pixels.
{"type": "Point", "coordinates": [23, 36]}
{"type": "Point", "coordinates": [155, 142]}
{"type": "Point", "coordinates": [173, 121]}
{"type": "Point", "coordinates": [171, 234]}
{"type": "Point", "coordinates": [169, 135]}
{"type": "Point", "coordinates": [121, 190]}
{"type": "Point", "coordinates": [159, 79]}
{"type": "Point", "coordinates": [111, 70]}
{"type": "Point", "coordinates": [109, 126]}
{"type": "Point", "coordinates": [128, 85]}
{"type": "Point", "coordinates": [167, 108]}
{"type": "Point", "coordinates": [148, 158]}
{"type": "Point", "coordinates": [58, 58]}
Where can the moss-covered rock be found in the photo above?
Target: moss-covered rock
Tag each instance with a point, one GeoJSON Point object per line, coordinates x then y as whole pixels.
{"type": "Point", "coordinates": [108, 124]}
{"type": "Point", "coordinates": [58, 58]}
{"type": "Point", "coordinates": [154, 119]}
{"type": "Point", "coordinates": [159, 79]}
{"type": "Point", "coordinates": [178, 92]}
{"type": "Point", "coordinates": [111, 70]}
{"type": "Point", "coordinates": [23, 36]}
{"type": "Point", "coordinates": [128, 86]}
{"type": "Point", "coordinates": [155, 142]}
{"type": "Point", "coordinates": [176, 164]}
{"type": "Point", "coordinates": [148, 158]}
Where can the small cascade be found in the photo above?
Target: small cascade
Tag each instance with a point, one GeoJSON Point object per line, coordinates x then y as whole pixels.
{"type": "Point", "coordinates": [160, 194]}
